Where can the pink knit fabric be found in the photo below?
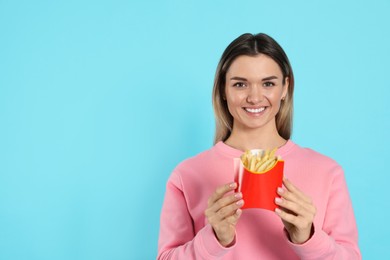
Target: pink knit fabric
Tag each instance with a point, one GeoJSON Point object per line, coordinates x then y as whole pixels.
{"type": "Point", "coordinates": [185, 233]}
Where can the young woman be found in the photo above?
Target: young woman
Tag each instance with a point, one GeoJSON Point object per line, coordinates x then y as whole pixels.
{"type": "Point", "coordinates": [202, 217]}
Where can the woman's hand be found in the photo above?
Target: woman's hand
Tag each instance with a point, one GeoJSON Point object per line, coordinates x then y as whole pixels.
{"type": "Point", "coordinates": [223, 212]}
{"type": "Point", "coordinates": [297, 212]}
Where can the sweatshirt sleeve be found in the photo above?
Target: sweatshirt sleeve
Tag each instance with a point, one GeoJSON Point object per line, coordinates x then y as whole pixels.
{"type": "Point", "coordinates": [177, 239]}
{"type": "Point", "coordinates": [338, 238]}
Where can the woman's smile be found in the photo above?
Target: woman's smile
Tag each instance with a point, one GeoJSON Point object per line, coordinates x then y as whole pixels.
{"type": "Point", "coordinates": [255, 111]}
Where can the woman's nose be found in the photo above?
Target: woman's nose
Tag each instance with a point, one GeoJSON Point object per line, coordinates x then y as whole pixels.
{"type": "Point", "coordinates": [255, 95]}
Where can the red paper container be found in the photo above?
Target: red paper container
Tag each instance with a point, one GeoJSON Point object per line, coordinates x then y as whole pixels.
{"type": "Point", "coordinates": [259, 190]}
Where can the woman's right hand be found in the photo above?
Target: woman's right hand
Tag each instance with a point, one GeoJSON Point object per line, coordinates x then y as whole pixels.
{"type": "Point", "coordinates": [223, 212]}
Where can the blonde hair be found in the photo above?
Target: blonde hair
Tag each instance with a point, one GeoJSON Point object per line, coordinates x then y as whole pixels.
{"type": "Point", "coordinates": [251, 45]}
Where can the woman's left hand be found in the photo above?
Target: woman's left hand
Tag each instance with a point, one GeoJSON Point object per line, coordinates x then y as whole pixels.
{"type": "Point", "coordinates": [297, 212]}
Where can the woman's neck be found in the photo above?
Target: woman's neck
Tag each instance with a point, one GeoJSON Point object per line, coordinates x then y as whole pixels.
{"type": "Point", "coordinates": [255, 140]}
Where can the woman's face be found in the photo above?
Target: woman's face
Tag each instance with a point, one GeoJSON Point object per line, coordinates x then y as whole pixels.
{"type": "Point", "coordinates": [254, 89]}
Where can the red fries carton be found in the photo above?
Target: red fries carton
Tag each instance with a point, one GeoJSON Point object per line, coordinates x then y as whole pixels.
{"type": "Point", "coordinates": [259, 189]}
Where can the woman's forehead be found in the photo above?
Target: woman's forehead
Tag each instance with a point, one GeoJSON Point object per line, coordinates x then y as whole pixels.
{"type": "Point", "coordinates": [253, 67]}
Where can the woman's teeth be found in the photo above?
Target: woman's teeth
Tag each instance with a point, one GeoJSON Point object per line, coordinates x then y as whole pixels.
{"type": "Point", "coordinates": [255, 110]}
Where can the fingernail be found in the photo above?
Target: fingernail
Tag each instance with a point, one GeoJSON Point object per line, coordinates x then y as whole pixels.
{"type": "Point", "coordinates": [240, 202]}
{"type": "Point", "coordinates": [232, 185]}
{"type": "Point", "coordinates": [277, 210]}
{"type": "Point", "coordinates": [280, 190]}
{"type": "Point", "coordinates": [278, 200]}
{"type": "Point", "coordinates": [238, 195]}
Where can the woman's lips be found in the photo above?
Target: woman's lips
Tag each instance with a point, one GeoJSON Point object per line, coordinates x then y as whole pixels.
{"type": "Point", "coordinates": [254, 110]}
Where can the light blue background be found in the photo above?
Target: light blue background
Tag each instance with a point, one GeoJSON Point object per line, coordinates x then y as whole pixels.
{"type": "Point", "coordinates": [99, 100]}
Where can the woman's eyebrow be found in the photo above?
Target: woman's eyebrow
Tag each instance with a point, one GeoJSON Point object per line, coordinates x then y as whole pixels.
{"type": "Point", "coordinates": [238, 78]}
{"type": "Point", "coordinates": [269, 78]}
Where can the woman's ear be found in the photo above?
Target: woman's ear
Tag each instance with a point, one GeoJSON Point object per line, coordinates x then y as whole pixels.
{"type": "Point", "coordinates": [224, 94]}
{"type": "Point", "coordinates": [285, 88]}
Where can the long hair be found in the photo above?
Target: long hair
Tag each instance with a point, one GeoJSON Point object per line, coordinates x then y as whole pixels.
{"type": "Point", "coordinates": [252, 45]}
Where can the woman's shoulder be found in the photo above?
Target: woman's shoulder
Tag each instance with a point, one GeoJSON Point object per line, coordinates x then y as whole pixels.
{"type": "Point", "coordinates": [196, 160]}
{"type": "Point", "coordinates": [218, 152]}
{"type": "Point", "coordinates": [311, 155]}
{"type": "Point", "coordinates": [195, 168]}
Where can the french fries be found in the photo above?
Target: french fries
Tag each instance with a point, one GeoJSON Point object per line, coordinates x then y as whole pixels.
{"type": "Point", "coordinates": [259, 160]}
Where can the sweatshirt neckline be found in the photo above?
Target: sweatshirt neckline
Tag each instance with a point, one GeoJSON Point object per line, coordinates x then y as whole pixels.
{"type": "Point", "coordinates": [233, 152]}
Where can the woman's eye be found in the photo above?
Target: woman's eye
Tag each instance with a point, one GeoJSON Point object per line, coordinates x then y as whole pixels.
{"type": "Point", "coordinates": [239, 85]}
{"type": "Point", "coordinates": [269, 84]}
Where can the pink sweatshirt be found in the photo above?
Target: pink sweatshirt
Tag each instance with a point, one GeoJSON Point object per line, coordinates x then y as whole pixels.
{"type": "Point", "coordinates": [185, 233]}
